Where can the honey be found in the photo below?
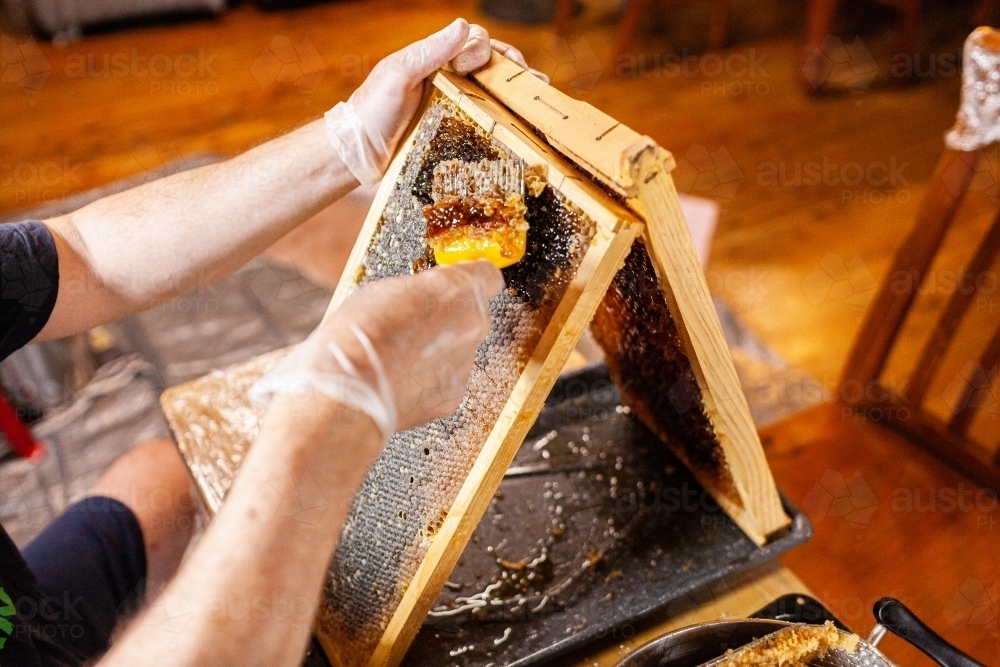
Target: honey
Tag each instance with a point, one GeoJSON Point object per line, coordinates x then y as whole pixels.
{"type": "Point", "coordinates": [463, 229]}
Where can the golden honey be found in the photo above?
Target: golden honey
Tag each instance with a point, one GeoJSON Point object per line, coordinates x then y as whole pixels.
{"type": "Point", "coordinates": [464, 229]}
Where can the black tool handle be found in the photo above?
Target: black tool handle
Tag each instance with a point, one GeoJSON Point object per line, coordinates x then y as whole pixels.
{"type": "Point", "coordinates": [902, 622]}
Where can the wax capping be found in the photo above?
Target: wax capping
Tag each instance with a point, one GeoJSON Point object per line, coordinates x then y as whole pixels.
{"type": "Point", "coordinates": [795, 646]}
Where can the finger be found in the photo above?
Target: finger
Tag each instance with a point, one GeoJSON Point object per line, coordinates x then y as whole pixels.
{"type": "Point", "coordinates": [484, 281]}
{"type": "Point", "coordinates": [487, 277]}
{"type": "Point", "coordinates": [509, 52]}
{"type": "Point", "coordinates": [439, 385]}
{"type": "Point", "coordinates": [451, 379]}
{"type": "Point", "coordinates": [419, 60]}
{"type": "Point", "coordinates": [513, 54]}
{"type": "Point", "coordinates": [461, 294]}
{"type": "Point", "coordinates": [539, 75]}
{"type": "Point", "coordinates": [475, 53]}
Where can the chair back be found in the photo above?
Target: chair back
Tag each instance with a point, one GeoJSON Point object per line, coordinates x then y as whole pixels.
{"type": "Point", "coordinates": [970, 154]}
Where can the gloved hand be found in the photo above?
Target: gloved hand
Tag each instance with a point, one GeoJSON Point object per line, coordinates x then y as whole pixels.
{"type": "Point", "coordinates": [365, 129]}
{"type": "Point", "coordinates": [400, 349]}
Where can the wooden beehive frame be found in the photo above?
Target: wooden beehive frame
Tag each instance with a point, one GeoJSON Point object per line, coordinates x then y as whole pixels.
{"type": "Point", "coordinates": [634, 167]}
{"type": "Point", "coordinates": [573, 145]}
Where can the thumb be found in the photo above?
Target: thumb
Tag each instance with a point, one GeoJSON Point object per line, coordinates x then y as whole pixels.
{"type": "Point", "coordinates": [421, 59]}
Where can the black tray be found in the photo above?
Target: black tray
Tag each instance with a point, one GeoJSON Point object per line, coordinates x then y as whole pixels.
{"type": "Point", "coordinates": [671, 538]}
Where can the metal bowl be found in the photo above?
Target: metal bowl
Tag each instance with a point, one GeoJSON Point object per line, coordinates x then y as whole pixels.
{"type": "Point", "coordinates": [696, 644]}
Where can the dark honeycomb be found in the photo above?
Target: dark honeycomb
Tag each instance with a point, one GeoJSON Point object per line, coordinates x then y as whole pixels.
{"type": "Point", "coordinates": [646, 358]}
{"type": "Point", "coordinates": [409, 489]}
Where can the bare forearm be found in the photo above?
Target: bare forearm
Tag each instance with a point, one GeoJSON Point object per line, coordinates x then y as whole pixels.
{"type": "Point", "coordinates": [249, 592]}
{"type": "Point", "coordinates": [126, 252]}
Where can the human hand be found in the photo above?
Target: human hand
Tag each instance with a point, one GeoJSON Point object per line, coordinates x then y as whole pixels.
{"type": "Point", "coordinates": [366, 129]}
{"type": "Point", "coordinates": [400, 349]}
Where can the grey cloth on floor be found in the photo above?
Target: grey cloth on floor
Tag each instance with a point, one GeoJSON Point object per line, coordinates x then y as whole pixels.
{"type": "Point", "coordinates": [116, 410]}
{"type": "Point", "coordinates": [262, 307]}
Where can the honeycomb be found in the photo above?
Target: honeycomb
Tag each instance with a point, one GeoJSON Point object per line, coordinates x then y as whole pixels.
{"type": "Point", "coordinates": [645, 355]}
{"type": "Point", "coordinates": [470, 228]}
{"type": "Point", "coordinates": [215, 423]}
{"type": "Point", "coordinates": [795, 646]}
{"type": "Point", "coordinates": [409, 489]}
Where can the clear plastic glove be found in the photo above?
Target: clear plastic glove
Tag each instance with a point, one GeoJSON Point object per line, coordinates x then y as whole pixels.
{"type": "Point", "coordinates": [400, 350]}
{"type": "Point", "coordinates": [365, 129]}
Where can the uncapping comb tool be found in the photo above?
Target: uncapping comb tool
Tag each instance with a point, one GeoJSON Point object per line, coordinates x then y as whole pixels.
{"type": "Point", "coordinates": [478, 212]}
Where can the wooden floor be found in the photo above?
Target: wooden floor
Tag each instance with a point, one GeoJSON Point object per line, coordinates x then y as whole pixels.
{"type": "Point", "coordinates": [890, 519]}
{"type": "Point", "coordinates": [816, 193]}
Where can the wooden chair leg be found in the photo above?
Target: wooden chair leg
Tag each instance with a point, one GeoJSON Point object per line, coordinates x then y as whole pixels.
{"type": "Point", "coordinates": [626, 29]}
{"type": "Point", "coordinates": [906, 41]}
{"type": "Point", "coordinates": [984, 12]}
{"type": "Point", "coordinates": [967, 410]}
{"type": "Point", "coordinates": [821, 13]}
{"type": "Point", "coordinates": [886, 313]}
{"type": "Point", "coordinates": [717, 24]}
{"type": "Point", "coordinates": [563, 16]}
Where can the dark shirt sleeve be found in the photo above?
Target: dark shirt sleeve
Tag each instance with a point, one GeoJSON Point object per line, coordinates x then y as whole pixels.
{"type": "Point", "coordinates": [29, 281]}
{"type": "Point", "coordinates": [30, 624]}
